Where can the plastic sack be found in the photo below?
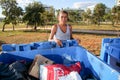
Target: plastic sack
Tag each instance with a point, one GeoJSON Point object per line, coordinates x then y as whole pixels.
{"type": "Point", "coordinates": [72, 76]}
{"type": "Point", "coordinates": [55, 71]}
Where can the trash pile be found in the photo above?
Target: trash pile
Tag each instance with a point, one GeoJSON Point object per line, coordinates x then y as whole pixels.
{"type": "Point", "coordinates": [15, 71]}
{"type": "Point", "coordinates": [41, 68]}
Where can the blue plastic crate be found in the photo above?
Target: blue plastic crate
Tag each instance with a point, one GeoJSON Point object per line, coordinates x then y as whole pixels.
{"type": "Point", "coordinates": [110, 52]}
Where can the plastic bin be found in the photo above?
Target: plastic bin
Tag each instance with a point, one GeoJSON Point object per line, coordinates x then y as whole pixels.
{"type": "Point", "coordinates": [71, 52]}
{"type": "Point", "coordinates": [110, 52]}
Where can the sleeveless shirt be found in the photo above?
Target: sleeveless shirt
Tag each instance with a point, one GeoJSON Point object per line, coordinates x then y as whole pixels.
{"type": "Point", "coordinates": [61, 35]}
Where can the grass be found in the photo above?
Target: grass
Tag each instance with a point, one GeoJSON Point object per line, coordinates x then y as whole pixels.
{"type": "Point", "coordinates": [95, 27]}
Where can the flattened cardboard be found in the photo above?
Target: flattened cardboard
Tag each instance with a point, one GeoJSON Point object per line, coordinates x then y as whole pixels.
{"type": "Point", "coordinates": [38, 60]}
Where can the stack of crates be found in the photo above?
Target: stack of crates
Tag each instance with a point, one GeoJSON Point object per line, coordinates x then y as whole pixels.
{"type": "Point", "coordinates": [110, 52]}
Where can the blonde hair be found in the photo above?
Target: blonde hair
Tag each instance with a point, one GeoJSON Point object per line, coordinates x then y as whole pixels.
{"type": "Point", "coordinates": [65, 12]}
{"type": "Point", "coordinates": [62, 11]}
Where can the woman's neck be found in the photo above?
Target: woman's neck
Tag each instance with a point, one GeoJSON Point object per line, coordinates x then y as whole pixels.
{"type": "Point", "coordinates": [61, 24]}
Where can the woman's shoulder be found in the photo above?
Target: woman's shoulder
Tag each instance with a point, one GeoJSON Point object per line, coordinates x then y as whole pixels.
{"type": "Point", "coordinates": [54, 27]}
{"type": "Point", "coordinates": [69, 25]}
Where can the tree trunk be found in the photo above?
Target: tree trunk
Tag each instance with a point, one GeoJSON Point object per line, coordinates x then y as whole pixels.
{"type": "Point", "coordinates": [3, 27]}
{"type": "Point", "coordinates": [27, 25]}
{"type": "Point", "coordinates": [13, 27]}
{"type": "Point", "coordinates": [113, 23]}
{"type": "Point", "coordinates": [35, 27]}
{"type": "Point", "coordinates": [98, 22]}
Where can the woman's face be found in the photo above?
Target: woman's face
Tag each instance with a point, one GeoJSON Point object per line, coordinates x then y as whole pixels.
{"type": "Point", "coordinates": [62, 18]}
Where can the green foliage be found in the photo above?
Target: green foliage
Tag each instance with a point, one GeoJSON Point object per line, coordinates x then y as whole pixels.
{"type": "Point", "coordinates": [38, 14]}
{"type": "Point", "coordinates": [48, 15]}
{"type": "Point", "coordinates": [11, 12]}
{"type": "Point", "coordinates": [115, 15]}
{"type": "Point", "coordinates": [74, 15]}
{"type": "Point", "coordinates": [87, 16]}
{"type": "Point", "coordinates": [33, 14]}
{"type": "Point", "coordinates": [107, 17]}
{"type": "Point", "coordinates": [100, 9]}
{"type": "Point", "coordinates": [99, 12]}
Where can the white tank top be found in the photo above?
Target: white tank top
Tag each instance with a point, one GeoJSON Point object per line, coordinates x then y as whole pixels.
{"type": "Point", "coordinates": [61, 35]}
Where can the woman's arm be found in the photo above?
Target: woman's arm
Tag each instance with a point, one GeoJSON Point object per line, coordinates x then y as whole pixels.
{"type": "Point", "coordinates": [53, 31]}
{"type": "Point", "coordinates": [71, 36]}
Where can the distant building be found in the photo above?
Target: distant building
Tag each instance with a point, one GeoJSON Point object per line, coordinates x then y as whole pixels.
{"type": "Point", "coordinates": [118, 2]}
{"type": "Point", "coordinates": [75, 10]}
{"type": "Point", "coordinates": [50, 9]}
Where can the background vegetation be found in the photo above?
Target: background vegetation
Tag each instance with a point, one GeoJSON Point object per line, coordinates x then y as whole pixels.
{"type": "Point", "coordinates": [38, 14]}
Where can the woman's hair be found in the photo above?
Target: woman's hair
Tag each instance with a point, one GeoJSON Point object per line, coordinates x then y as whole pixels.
{"type": "Point", "coordinates": [63, 11]}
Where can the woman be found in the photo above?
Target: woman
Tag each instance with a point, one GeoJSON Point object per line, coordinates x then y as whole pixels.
{"type": "Point", "coordinates": [61, 31]}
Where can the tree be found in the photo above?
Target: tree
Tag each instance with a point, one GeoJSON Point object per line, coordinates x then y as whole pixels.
{"type": "Point", "coordinates": [74, 15]}
{"type": "Point", "coordinates": [33, 14]}
{"type": "Point", "coordinates": [11, 12]}
{"type": "Point", "coordinates": [115, 15]}
{"type": "Point", "coordinates": [99, 12]}
{"type": "Point", "coordinates": [88, 15]}
{"type": "Point", "coordinates": [84, 16]}
{"type": "Point", "coordinates": [107, 16]}
{"type": "Point", "coordinates": [49, 15]}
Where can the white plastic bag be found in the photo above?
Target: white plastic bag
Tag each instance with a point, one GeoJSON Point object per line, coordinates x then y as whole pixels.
{"type": "Point", "coordinates": [57, 71]}
{"type": "Point", "coordinates": [72, 76]}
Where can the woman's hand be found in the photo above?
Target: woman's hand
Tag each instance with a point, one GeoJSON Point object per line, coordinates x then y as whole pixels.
{"type": "Point", "coordinates": [59, 42]}
{"type": "Point", "coordinates": [78, 40]}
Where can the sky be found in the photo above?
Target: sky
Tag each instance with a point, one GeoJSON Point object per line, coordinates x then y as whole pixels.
{"type": "Point", "coordinates": [74, 4]}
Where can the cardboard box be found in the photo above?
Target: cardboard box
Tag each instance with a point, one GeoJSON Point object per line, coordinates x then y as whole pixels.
{"type": "Point", "coordinates": [38, 60]}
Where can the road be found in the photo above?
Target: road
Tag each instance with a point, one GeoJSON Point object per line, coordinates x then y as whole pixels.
{"type": "Point", "coordinates": [104, 32]}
